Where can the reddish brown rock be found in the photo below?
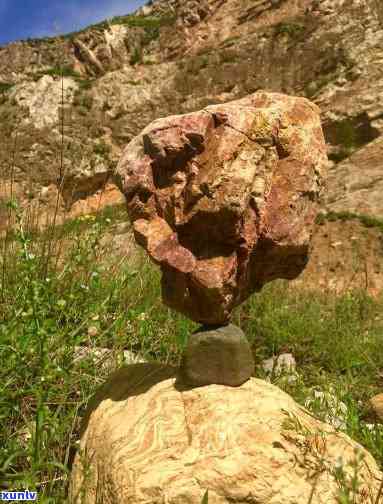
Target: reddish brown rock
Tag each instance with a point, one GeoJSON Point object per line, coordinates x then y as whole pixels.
{"type": "Point", "coordinates": [224, 199]}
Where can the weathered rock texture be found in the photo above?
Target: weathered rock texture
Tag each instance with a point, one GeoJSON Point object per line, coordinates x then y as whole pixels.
{"type": "Point", "coordinates": [145, 441]}
{"type": "Point", "coordinates": [376, 404]}
{"type": "Point", "coordinates": [225, 199]}
{"type": "Point", "coordinates": [347, 190]}
{"type": "Point", "coordinates": [219, 356]}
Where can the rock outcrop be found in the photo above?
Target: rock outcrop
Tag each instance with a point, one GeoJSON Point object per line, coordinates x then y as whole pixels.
{"type": "Point", "coordinates": [224, 199]}
{"type": "Point", "coordinates": [356, 185]}
{"type": "Point", "coordinates": [176, 56]}
{"type": "Point", "coordinates": [147, 439]}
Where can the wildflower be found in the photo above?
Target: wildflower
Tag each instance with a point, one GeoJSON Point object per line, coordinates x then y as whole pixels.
{"type": "Point", "coordinates": [61, 303]}
{"type": "Point", "coordinates": [142, 316]}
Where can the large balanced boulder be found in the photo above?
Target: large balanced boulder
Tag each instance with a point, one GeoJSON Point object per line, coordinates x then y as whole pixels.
{"type": "Point", "coordinates": [224, 199]}
{"type": "Point", "coordinates": [149, 439]}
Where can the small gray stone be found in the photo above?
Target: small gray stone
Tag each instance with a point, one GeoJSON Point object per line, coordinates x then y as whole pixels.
{"type": "Point", "coordinates": [221, 356]}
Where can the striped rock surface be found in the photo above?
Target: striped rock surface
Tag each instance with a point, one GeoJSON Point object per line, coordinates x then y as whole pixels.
{"type": "Point", "coordinates": [224, 199]}
{"type": "Point", "coordinates": [147, 439]}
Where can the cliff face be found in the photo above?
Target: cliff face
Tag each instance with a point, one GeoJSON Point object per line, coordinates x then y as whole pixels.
{"type": "Point", "coordinates": [61, 137]}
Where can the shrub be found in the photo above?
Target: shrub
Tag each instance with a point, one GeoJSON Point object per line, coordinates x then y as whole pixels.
{"type": "Point", "coordinates": [293, 30]}
{"type": "Point", "coordinates": [84, 84]}
{"type": "Point", "coordinates": [102, 149]}
{"type": "Point", "coordinates": [64, 71]}
{"type": "Point", "coordinates": [5, 87]}
{"type": "Point", "coordinates": [136, 56]}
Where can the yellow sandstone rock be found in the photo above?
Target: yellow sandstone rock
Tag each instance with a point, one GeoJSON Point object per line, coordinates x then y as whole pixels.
{"type": "Point", "coordinates": [148, 439]}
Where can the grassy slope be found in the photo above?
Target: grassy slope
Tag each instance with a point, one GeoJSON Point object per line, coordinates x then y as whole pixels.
{"type": "Point", "coordinates": [94, 300]}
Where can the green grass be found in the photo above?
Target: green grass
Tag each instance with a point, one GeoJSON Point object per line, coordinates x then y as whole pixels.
{"type": "Point", "coordinates": [51, 302]}
{"type": "Point", "coordinates": [367, 220]}
{"type": "Point", "coordinates": [84, 84]}
{"type": "Point", "coordinates": [57, 71]}
{"type": "Point", "coordinates": [65, 71]}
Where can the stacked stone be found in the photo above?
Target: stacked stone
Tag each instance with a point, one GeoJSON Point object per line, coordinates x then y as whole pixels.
{"type": "Point", "coordinates": [224, 201]}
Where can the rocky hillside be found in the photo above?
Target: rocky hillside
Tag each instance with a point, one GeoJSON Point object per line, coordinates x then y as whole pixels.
{"type": "Point", "coordinates": [69, 104]}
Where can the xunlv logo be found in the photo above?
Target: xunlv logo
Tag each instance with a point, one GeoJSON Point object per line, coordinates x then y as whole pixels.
{"type": "Point", "coordinates": [25, 495]}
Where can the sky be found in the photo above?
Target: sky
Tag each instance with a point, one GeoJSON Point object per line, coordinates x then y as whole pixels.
{"type": "Point", "coordinates": [21, 19]}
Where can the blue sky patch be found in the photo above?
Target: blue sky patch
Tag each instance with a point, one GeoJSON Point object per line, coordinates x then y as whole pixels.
{"type": "Point", "coordinates": [22, 19]}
